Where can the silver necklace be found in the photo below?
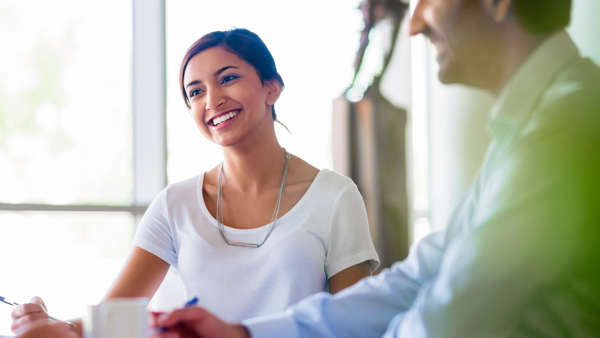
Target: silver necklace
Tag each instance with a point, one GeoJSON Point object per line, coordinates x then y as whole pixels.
{"type": "Point", "coordinates": [275, 213]}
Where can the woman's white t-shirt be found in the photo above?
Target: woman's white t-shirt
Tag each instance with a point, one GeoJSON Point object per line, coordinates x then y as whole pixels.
{"type": "Point", "coordinates": [324, 233]}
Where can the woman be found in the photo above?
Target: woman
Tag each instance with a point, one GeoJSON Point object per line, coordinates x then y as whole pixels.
{"type": "Point", "coordinates": [261, 230]}
{"type": "Point", "coordinates": [43, 329]}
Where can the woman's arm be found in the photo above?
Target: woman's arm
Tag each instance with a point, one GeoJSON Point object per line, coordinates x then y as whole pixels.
{"type": "Point", "coordinates": [141, 276]}
{"type": "Point", "coordinates": [349, 277]}
{"type": "Point", "coordinates": [351, 254]}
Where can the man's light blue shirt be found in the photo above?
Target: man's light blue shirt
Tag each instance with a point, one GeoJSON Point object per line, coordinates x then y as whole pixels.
{"type": "Point", "coordinates": [495, 270]}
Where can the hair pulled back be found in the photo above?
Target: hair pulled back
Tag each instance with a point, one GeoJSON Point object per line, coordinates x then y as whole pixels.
{"type": "Point", "coordinates": [246, 45]}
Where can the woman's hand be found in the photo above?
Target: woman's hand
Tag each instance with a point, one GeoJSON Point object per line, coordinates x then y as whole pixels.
{"type": "Point", "coordinates": [27, 314]}
{"type": "Point", "coordinates": [195, 322]}
{"type": "Point", "coordinates": [43, 329]}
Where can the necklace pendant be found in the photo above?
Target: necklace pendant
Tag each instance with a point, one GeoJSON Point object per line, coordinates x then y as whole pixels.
{"type": "Point", "coordinates": [249, 245]}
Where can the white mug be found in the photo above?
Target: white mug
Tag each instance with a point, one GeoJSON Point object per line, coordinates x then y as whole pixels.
{"type": "Point", "coordinates": [117, 318]}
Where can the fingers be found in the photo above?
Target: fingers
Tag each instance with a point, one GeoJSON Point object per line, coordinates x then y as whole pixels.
{"type": "Point", "coordinates": [170, 334]}
{"type": "Point", "coordinates": [27, 309]}
{"type": "Point", "coordinates": [46, 330]}
{"type": "Point", "coordinates": [154, 318]}
{"type": "Point", "coordinates": [184, 323]}
{"type": "Point", "coordinates": [186, 315]}
{"type": "Point", "coordinates": [26, 314]}
{"type": "Point", "coordinates": [40, 301]}
{"type": "Point", "coordinates": [27, 320]}
{"type": "Point", "coordinates": [197, 322]}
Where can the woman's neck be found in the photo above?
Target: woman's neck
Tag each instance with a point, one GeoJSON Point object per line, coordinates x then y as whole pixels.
{"type": "Point", "coordinates": [255, 165]}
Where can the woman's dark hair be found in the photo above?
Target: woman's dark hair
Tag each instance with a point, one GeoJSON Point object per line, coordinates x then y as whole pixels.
{"type": "Point", "coordinates": [241, 42]}
{"type": "Point", "coordinates": [543, 16]}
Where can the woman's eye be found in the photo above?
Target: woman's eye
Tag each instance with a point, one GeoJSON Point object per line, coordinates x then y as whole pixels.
{"type": "Point", "coordinates": [194, 92]}
{"type": "Point", "coordinates": [228, 78]}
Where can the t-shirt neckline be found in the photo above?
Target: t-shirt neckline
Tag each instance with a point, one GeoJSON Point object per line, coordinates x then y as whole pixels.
{"type": "Point", "coordinates": [279, 220]}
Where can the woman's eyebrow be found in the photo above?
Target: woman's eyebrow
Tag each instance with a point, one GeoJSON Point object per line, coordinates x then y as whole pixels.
{"type": "Point", "coordinates": [214, 74]}
{"type": "Point", "coordinates": [193, 83]}
{"type": "Point", "coordinates": [222, 70]}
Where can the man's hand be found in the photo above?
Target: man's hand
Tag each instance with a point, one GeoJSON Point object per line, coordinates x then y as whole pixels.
{"type": "Point", "coordinates": [26, 315]}
{"type": "Point", "coordinates": [196, 322]}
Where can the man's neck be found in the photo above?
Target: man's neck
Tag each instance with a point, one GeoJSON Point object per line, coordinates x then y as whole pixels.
{"type": "Point", "coordinates": [517, 46]}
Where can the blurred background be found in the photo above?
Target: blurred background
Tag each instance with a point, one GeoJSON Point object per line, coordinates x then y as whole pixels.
{"type": "Point", "coordinates": [92, 125]}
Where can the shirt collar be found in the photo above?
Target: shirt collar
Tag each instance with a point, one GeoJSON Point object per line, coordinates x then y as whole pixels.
{"type": "Point", "coordinates": [526, 85]}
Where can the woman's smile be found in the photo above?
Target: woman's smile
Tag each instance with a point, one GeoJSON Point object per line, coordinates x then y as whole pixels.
{"type": "Point", "coordinates": [222, 120]}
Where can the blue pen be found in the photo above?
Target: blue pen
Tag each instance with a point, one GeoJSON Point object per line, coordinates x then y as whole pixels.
{"type": "Point", "coordinates": [189, 303]}
{"type": "Point", "coordinates": [6, 301]}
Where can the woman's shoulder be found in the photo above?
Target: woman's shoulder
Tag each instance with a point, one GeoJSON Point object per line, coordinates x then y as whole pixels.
{"type": "Point", "coordinates": [333, 180]}
{"type": "Point", "coordinates": [183, 190]}
{"type": "Point", "coordinates": [322, 180]}
{"type": "Point", "coordinates": [185, 184]}
{"type": "Point", "coordinates": [304, 171]}
{"type": "Point", "coordinates": [329, 187]}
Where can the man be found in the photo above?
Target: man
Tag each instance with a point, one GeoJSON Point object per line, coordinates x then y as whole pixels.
{"type": "Point", "coordinates": [519, 257]}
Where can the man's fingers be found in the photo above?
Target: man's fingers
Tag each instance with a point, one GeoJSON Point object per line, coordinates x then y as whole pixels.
{"type": "Point", "coordinates": [187, 315]}
{"type": "Point", "coordinates": [154, 317]}
{"type": "Point", "coordinates": [195, 322]}
{"type": "Point", "coordinates": [170, 334]}
{"type": "Point", "coordinates": [25, 309]}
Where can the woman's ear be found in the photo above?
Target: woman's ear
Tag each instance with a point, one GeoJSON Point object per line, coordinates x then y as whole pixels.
{"type": "Point", "coordinates": [498, 10]}
{"type": "Point", "coordinates": [274, 90]}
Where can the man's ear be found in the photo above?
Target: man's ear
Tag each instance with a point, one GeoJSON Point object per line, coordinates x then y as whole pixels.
{"type": "Point", "coordinates": [274, 90]}
{"type": "Point", "coordinates": [498, 10]}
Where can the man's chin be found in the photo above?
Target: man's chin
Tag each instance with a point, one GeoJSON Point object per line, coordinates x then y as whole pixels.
{"type": "Point", "coordinates": [444, 78]}
{"type": "Point", "coordinates": [443, 73]}
{"type": "Point", "coordinates": [447, 73]}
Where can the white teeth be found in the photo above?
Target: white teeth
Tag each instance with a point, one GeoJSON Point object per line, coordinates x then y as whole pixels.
{"type": "Point", "coordinates": [225, 117]}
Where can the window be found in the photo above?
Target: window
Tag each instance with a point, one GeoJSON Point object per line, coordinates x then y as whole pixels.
{"type": "Point", "coordinates": [65, 103]}
{"type": "Point", "coordinates": [68, 258]}
{"type": "Point", "coordinates": [66, 215]}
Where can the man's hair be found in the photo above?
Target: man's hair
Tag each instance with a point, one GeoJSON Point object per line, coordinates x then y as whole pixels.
{"type": "Point", "coordinates": [543, 16]}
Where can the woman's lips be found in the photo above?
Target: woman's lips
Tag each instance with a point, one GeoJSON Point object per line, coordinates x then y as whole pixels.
{"type": "Point", "coordinates": [223, 120]}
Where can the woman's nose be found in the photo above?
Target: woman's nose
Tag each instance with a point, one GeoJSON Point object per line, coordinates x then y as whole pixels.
{"type": "Point", "coordinates": [214, 99]}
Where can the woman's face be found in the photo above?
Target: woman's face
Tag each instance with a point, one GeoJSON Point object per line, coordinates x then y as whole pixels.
{"type": "Point", "coordinates": [228, 101]}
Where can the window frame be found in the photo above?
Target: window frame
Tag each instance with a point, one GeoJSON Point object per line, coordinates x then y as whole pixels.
{"type": "Point", "coordinates": [148, 91]}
